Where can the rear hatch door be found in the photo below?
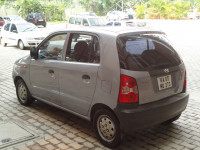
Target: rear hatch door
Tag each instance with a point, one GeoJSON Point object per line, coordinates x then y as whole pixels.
{"type": "Point", "coordinates": [153, 62]}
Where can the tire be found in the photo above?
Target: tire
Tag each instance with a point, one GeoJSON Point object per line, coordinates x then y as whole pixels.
{"type": "Point", "coordinates": [23, 94]}
{"type": "Point", "coordinates": [44, 25]}
{"type": "Point", "coordinates": [107, 128]}
{"type": "Point", "coordinates": [21, 45]}
{"type": "Point", "coordinates": [172, 119]}
{"type": "Point", "coordinates": [3, 43]}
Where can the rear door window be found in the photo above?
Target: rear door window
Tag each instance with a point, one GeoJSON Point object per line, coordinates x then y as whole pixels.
{"type": "Point", "coordinates": [146, 52]}
{"type": "Point", "coordinates": [78, 21]}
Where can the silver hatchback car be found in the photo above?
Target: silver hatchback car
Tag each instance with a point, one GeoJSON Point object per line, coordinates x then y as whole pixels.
{"type": "Point", "coordinates": [119, 79]}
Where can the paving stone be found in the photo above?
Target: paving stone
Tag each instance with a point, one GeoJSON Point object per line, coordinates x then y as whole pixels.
{"type": "Point", "coordinates": [63, 146]}
{"type": "Point", "coordinates": [42, 142]}
{"type": "Point", "coordinates": [67, 140]}
{"type": "Point", "coordinates": [75, 145]}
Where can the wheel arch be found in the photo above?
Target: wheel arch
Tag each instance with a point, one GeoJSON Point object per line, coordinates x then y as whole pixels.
{"type": "Point", "coordinates": [100, 106]}
{"type": "Point", "coordinates": [17, 78]}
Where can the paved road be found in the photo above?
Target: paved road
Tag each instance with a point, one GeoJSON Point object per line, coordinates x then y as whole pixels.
{"type": "Point", "coordinates": [60, 130]}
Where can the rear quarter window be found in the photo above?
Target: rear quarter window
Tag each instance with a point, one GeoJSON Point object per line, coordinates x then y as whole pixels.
{"type": "Point", "coordinates": [146, 52]}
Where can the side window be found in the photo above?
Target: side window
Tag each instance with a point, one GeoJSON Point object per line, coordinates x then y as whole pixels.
{"type": "Point", "coordinates": [117, 24]}
{"type": "Point", "coordinates": [110, 24]}
{"type": "Point", "coordinates": [71, 20]}
{"type": "Point", "coordinates": [6, 28]}
{"type": "Point", "coordinates": [13, 28]}
{"type": "Point", "coordinates": [52, 48]}
{"type": "Point", "coordinates": [85, 22]}
{"type": "Point", "coordinates": [83, 48]}
{"type": "Point", "coordinates": [78, 21]}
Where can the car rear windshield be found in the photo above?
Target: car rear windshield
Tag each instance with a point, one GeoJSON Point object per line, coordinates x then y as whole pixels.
{"type": "Point", "coordinates": [146, 52]}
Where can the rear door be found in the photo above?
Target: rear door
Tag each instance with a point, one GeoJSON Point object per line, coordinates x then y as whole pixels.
{"type": "Point", "coordinates": [154, 63]}
{"type": "Point", "coordinates": [78, 74]}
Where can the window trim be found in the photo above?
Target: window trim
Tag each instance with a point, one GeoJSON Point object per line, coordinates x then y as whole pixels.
{"type": "Point", "coordinates": [86, 33]}
{"type": "Point", "coordinates": [48, 38]}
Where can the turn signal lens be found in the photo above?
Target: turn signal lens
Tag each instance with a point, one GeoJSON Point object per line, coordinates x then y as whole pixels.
{"type": "Point", "coordinates": [128, 90]}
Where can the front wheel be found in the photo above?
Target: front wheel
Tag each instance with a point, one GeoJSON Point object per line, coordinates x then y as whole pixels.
{"type": "Point", "coordinates": [3, 43]}
{"type": "Point", "coordinates": [107, 128]}
{"type": "Point", "coordinates": [21, 45]}
{"type": "Point", "coordinates": [23, 93]}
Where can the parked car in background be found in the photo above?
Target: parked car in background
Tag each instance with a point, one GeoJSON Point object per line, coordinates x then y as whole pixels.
{"type": "Point", "coordinates": [116, 15]}
{"type": "Point", "coordinates": [2, 22]}
{"type": "Point", "coordinates": [121, 80]}
{"type": "Point", "coordinates": [22, 34]}
{"type": "Point", "coordinates": [121, 23]}
{"type": "Point", "coordinates": [130, 23]}
{"type": "Point", "coordinates": [13, 18]}
{"type": "Point", "coordinates": [37, 19]}
{"type": "Point", "coordinates": [85, 21]}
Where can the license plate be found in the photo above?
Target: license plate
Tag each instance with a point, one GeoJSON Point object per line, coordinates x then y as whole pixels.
{"type": "Point", "coordinates": [40, 20]}
{"type": "Point", "coordinates": [164, 82]}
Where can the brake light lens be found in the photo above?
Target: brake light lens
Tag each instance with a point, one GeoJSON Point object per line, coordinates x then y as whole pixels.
{"type": "Point", "coordinates": [35, 20]}
{"type": "Point", "coordinates": [128, 90]}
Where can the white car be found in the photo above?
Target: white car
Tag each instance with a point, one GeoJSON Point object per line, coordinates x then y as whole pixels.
{"type": "Point", "coordinates": [116, 15]}
{"type": "Point", "coordinates": [85, 21]}
{"type": "Point", "coordinates": [129, 23]}
{"type": "Point", "coordinates": [22, 34]}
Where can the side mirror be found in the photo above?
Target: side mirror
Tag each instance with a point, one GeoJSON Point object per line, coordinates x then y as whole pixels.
{"type": "Point", "coordinates": [14, 31]}
{"type": "Point", "coordinates": [86, 24]}
{"type": "Point", "coordinates": [33, 53]}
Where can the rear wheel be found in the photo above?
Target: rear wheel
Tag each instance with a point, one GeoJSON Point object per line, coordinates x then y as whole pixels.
{"type": "Point", "coordinates": [21, 45]}
{"type": "Point", "coordinates": [107, 128]}
{"type": "Point", "coordinates": [23, 93]}
{"type": "Point", "coordinates": [172, 119]}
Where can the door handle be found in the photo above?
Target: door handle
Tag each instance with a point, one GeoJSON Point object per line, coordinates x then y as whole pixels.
{"type": "Point", "coordinates": [86, 78]}
{"type": "Point", "coordinates": [51, 71]}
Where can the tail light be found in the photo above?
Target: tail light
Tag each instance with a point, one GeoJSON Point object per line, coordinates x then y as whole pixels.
{"type": "Point", "coordinates": [185, 83]}
{"type": "Point", "coordinates": [45, 19]}
{"type": "Point", "coordinates": [35, 20]}
{"type": "Point", "coordinates": [128, 90]}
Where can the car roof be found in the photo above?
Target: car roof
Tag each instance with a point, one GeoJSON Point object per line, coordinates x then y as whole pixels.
{"type": "Point", "coordinates": [114, 31]}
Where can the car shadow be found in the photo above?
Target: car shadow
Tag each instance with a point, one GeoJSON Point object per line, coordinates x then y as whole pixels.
{"type": "Point", "coordinates": [152, 138]}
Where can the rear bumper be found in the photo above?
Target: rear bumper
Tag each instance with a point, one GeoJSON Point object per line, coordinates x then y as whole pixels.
{"type": "Point", "coordinates": [147, 115]}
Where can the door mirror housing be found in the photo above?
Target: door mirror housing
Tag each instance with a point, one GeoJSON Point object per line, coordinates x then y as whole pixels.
{"type": "Point", "coordinates": [14, 31]}
{"type": "Point", "coordinates": [34, 53]}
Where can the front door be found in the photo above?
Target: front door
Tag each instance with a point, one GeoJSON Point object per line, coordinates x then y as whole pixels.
{"type": "Point", "coordinates": [44, 71]}
{"type": "Point", "coordinates": [13, 34]}
{"type": "Point", "coordinates": [78, 73]}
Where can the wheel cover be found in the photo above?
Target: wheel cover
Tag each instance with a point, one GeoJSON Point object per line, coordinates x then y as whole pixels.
{"type": "Point", "coordinates": [106, 128]}
{"type": "Point", "coordinates": [21, 45]}
{"type": "Point", "coordinates": [22, 92]}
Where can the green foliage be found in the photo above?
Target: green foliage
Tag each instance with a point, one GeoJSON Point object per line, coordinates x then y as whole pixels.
{"type": "Point", "coordinates": [140, 11]}
{"type": "Point", "coordinates": [52, 10]}
{"type": "Point", "coordinates": [163, 9]}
